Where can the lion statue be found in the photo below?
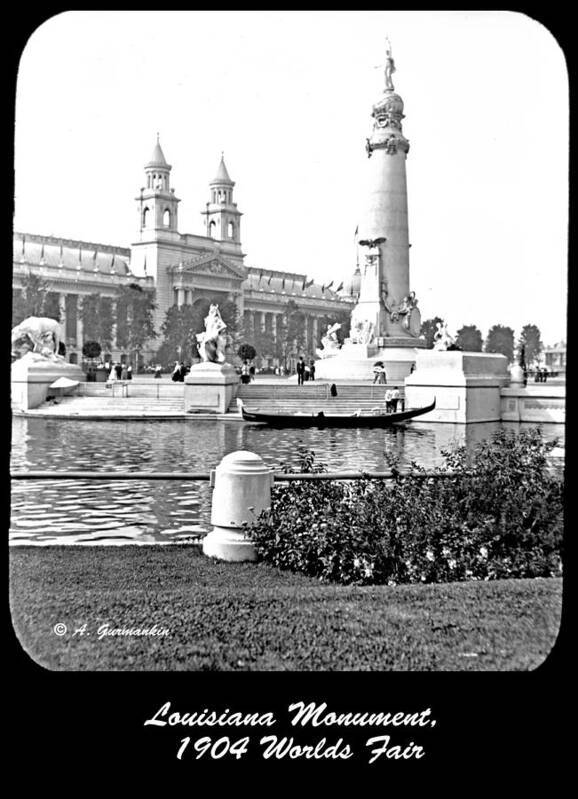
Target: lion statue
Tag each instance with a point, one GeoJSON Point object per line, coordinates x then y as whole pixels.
{"type": "Point", "coordinates": [212, 342]}
{"type": "Point", "coordinates": [44, 334]}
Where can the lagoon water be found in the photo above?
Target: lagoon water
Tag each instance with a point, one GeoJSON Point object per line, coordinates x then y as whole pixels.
{"type": "Point", "coordinates": [93, 512]}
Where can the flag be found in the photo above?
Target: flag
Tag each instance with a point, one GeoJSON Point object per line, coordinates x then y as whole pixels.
{"type": "Point", "coordinates": [42, 252]}
{"type": "Point", "coordinates": [260, 275]}
{"type": "Point", "coordinates": [309, 283]}
{"type": "Point", "coordinates": [94, 256]}
{"type": "Point", "coordinates": [145, 265]}
{"type": "Point", "coordinates": [112, 263]}
{"type": "Point", "coordinates": [328, 286]}
{"type": "Point", "coordinates": [283, 285]}
{"type": "Point", "coordinates": [304, 283]}
{"type": "Point", "coordinates": [355, 234]}
{"type": "Point", "coordinates": [340, 286]}
{"type": "Point", "coordinates": [23, 243]}
{"type": "Point", "coordinates": [270, 279]}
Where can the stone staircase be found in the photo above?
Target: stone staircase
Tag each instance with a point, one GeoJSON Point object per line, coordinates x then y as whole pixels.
{"type": "Point", "coordinates": [313, 397]}
{"type": "Point", "coordinates": [107, 406]}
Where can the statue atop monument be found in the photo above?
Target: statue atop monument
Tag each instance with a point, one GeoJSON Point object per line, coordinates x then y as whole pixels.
{"type": "Point", "coordinates": [38, 335]}
{"type": "Point", "coordinates": [212, 341]}
{"type": "Point", "coordinates": [389, 67]}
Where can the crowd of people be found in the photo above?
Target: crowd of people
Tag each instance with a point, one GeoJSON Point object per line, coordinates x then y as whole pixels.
{"type": "Point", "coordinates": [118, 371]}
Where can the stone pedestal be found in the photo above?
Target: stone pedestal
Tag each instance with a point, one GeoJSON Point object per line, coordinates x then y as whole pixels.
{"type": "Point", "coordinates": [32, 375]}
{"type": "Point", "coordinates": [355, 361]}
{"type": "Point", "coordinates": [210, 387]}
{"type": "Point", "coordinates": [466, 386]}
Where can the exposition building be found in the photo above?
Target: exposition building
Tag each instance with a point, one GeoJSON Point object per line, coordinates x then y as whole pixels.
{"type": "Point", "coordinates": [180, 268]}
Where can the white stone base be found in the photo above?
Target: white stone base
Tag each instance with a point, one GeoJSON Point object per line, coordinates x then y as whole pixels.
{"type": "Point", "coordinates": [210, 387]}
{"type": "Point", "coordinates": [536, 404]}
{"type": "Point", "coordinates": [226, 543]}
{"type": "Point", "coordinates": [355, 362]}
{"type": "Point", "coordinates": [32, 375]}
{"type": "Point", "coordinates": [466, 386]}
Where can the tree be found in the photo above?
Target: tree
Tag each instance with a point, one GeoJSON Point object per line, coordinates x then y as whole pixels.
{"type": "Point", "coordinates": [135, 324]}
{"type": "Point", "coordinates": [91, 349]}
{"type": "Point", "coordinates": [179, 330]}
{"type": "Point", "coordinates": [530, 340]}
{"type": "Point", "coordinates": [34, 299]}
{"type": "Point", "coordinates": [246, 352]}
{"type": "Point", "coordinates": [500, 339]}
{"type": "Point", "coordinates": [97, 318]}
{"type": "Point", "coordinates": [469, 338]}
{"type": "Point", "coordinates": [89, 312]}
{"type": "Point", "coordinates": [428, 330]}
{"type": "Point", "coordinates": [290, 332]}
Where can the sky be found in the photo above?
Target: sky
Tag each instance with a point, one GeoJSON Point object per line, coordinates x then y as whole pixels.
{"type": "Point", "coordinates": [287, 96]}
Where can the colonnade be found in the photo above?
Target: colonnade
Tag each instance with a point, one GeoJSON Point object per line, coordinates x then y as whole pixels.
{"type": "Point", "coordinates": [269, 322]}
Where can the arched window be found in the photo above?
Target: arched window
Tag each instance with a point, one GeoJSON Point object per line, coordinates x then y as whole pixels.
{"type": "Point", "coordinates": [167, 218]}
{"type": "Point", "coordinates": [145, 216]}
{"type": "Point", "coordinates": [231, 230]}
{"type": "Point", "coordinates": [212, 226]}
{"type": "Point", "coordinates": [148, 181]}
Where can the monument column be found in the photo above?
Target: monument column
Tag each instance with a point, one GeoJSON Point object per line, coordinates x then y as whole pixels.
{"type": "Point", "coordinates": [384, 297]}
{"type": "Point", "coordinates": [385, 322]}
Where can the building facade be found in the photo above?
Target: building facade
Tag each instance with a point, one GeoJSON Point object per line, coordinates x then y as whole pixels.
{"type": "Point", "coordinates": [181, 268]}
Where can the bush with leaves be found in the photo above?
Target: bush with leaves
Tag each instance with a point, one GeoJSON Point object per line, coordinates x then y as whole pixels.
{"type": "Point", "coordinates": [494, 513]}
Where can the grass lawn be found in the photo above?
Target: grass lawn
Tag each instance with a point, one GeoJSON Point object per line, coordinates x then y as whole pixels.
{"type": "Point", "coordinates": [253, 617]}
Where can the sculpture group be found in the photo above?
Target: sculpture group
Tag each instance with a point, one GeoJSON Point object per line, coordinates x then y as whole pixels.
{"type": "Point", "coordinates": [39, 335]}
{"type": "Point", "coordinates": [329, 342]}
{"type": "Point", "coordinates": [212, 341]}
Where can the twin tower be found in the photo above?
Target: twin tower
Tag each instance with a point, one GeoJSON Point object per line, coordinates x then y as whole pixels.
{"type": "Point", "coordinates": [158, 205]}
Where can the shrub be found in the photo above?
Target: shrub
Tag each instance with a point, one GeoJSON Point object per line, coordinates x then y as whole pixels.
{"type": "Point", "coordinates": [91, 349]}
{"type": "Point", "coordinates": [246, 352]}
{"type": "Point", "coordinates": [493, 513]}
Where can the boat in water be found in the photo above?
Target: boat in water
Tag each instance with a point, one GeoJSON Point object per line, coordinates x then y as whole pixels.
{"type": "Point", "coordinates": [370, 418]}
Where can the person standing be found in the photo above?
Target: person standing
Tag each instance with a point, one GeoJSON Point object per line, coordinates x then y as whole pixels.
{"type": "Point", "coordinates": [388, 401]}
{"type": "Point", "coordinates": [129, 372]}
{"type": "Point", "coordinates": [311, 370]}
{"type": "Point", "coordinates": [245, 373]}
{"type": "Point", "coordinates": [306, 373]}
{"type": "Point", "coordinates": [158, 371]}
{"type": "Point", "coordinates": [394, 399]}
{"type": "Point", "coordinates": [300, 371]}
{"type": "Point", "coordinates": [118, 370]}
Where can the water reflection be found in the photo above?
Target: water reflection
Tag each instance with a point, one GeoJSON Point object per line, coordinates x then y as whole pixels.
{"type": "Point", "coordinates": [140, 512]}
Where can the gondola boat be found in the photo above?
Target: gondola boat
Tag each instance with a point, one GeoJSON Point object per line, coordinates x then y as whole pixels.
{"type": "Point", "coordinates": [323, 419]}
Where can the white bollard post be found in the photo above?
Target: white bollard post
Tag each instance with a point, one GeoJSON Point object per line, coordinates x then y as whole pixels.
{"type": "Point", "coordinates": [241, 481]}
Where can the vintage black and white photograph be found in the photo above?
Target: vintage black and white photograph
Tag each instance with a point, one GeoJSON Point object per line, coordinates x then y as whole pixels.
{"type": "Point", "coordinates": [289, 323]}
